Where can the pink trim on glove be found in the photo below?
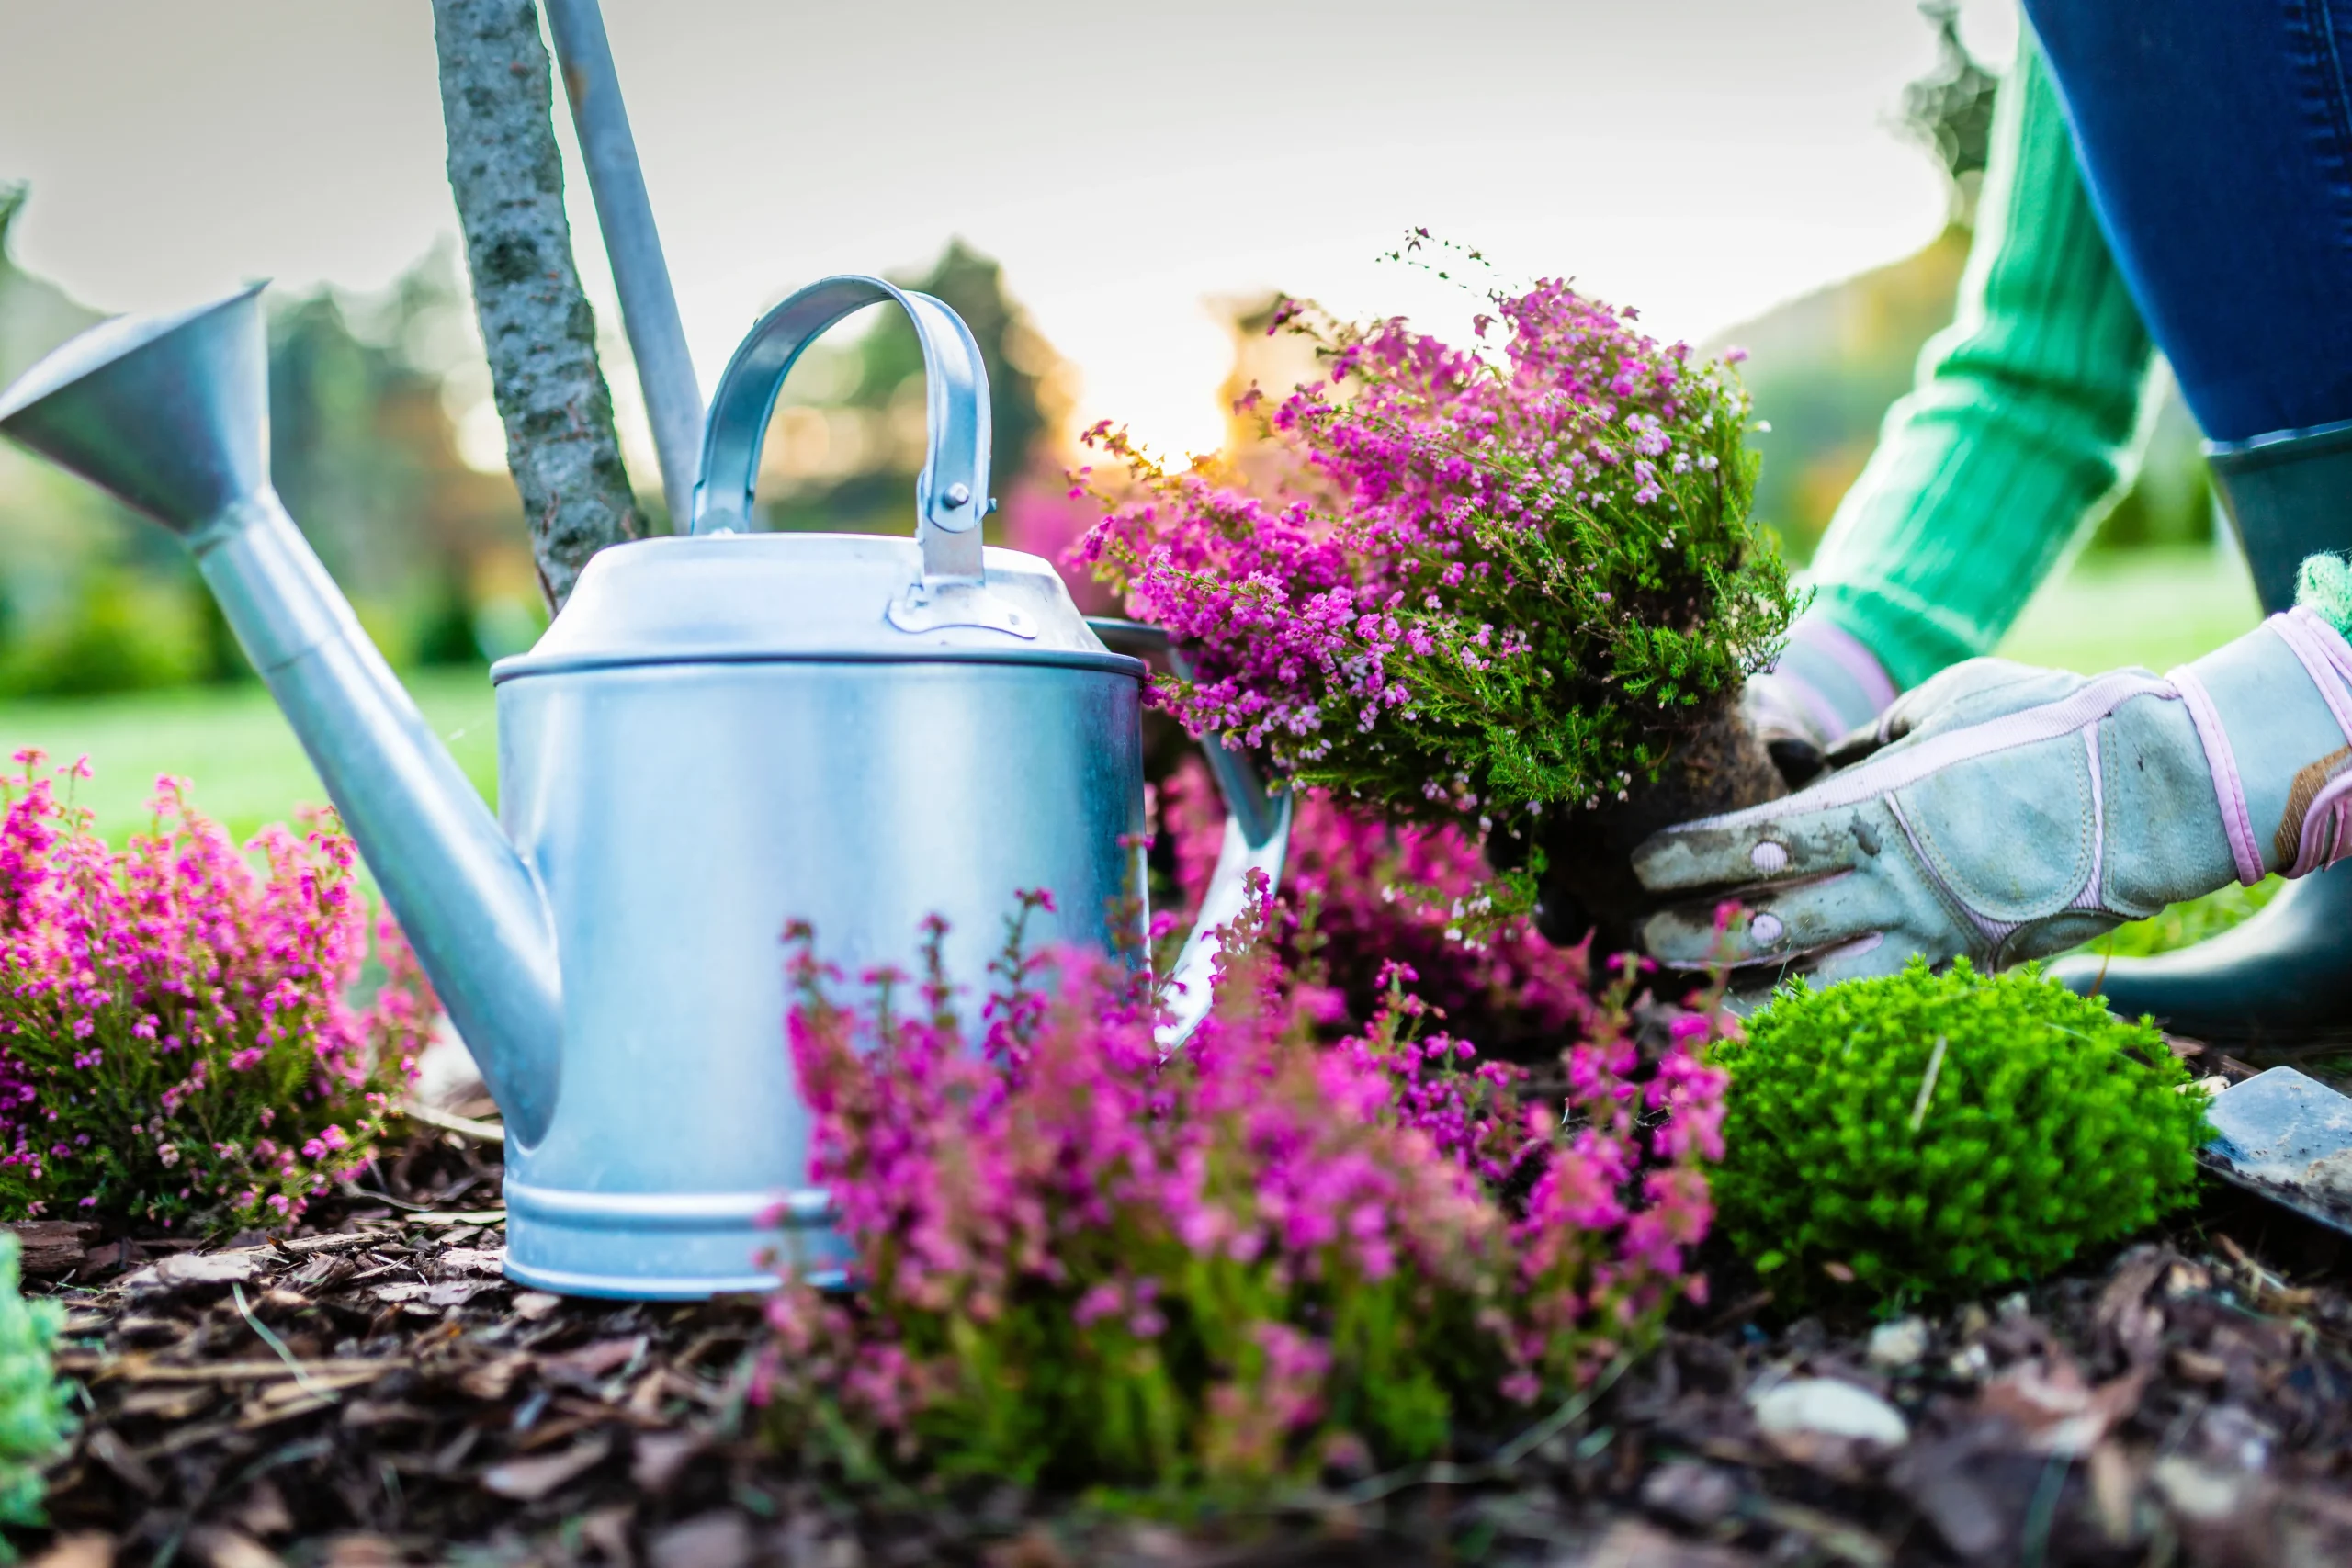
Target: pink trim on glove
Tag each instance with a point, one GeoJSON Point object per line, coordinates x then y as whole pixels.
{"type": "Point", "coordinates": [2325, 837]}
{"type": "Point", "coordinates": [2229, 789]}
{"type": "Point", "coordinates": [2324, 654]}
{"type": "Point", "coordinates": [2328, 659]}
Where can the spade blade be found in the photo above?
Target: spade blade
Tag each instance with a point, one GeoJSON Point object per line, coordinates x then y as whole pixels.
{"type": "Point", "coordinates": [2288, 1137]}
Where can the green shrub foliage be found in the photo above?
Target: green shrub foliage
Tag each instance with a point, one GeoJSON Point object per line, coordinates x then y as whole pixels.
{"type": "Point", "coordinates": [34, 1421]}
{"type": "Point", "coordinates": [1942, 1135]}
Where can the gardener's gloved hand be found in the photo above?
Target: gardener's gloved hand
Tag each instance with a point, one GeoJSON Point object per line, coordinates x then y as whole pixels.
{"type": "Point", "coordinates": [1824, 685]}
{"type": "Point", "coordinates": [2009, 813]}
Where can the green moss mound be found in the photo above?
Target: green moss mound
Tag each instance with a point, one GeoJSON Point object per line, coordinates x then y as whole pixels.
{"type": "Point", "coordinates": [34, 1418]}
{"type": "Point", "coordinates": [1925, 1136]}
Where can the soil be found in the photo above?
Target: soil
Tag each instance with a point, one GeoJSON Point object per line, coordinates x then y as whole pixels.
{"type": "Point", "coordinates": [2188, 1400]}
{"type": "Point", "coordinates": [1591, 885]}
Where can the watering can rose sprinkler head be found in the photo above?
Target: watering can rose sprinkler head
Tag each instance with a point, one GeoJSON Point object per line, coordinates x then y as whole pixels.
{"type": "Point", "coordinates": [718, 733]}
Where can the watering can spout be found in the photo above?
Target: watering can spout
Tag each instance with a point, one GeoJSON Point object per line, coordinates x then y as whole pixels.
{"type": "Point", "coordinates": [170, 415]}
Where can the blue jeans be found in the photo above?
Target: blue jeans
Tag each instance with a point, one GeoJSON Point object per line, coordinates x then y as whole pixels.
{"type": "Point", "coordinates": [2216, 139]}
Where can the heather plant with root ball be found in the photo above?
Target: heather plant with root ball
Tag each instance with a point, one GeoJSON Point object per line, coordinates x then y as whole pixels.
{"type": "Point", "coordinates": [1516, 587]}
{"type": "Point", "coordinates": [1083, 1266]}
{"type": "Point", "coordinates": [178, 1044]}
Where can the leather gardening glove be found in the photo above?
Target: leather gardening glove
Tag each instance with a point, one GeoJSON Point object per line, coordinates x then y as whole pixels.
{"type": "Point", "coordinates": [1825, 685]}
{"type": "Point", "coordinates": [2005, 813]}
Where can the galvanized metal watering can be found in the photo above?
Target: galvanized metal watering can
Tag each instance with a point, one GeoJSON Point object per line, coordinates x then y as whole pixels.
{"type": "Point", "coordinates": [720, 731]}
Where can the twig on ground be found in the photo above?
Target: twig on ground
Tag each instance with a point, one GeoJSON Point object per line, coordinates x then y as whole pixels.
{"type": "Point", "coordinates": [237, 1294]}
{"type": "Point", "coordinates": [464, 1126]}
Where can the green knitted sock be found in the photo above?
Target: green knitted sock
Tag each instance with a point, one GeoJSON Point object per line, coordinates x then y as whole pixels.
{"type": "Point", "coordinates": [2323, 585]}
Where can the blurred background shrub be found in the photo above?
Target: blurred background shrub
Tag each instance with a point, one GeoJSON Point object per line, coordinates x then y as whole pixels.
{"type": "Point", "coordinates": [1825, 366]}
{"type": "Point", "coordinates": [364, 446]}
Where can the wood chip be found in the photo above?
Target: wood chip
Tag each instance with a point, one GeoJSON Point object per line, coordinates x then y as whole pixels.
{"type": "Point", "coordinates": [491, 1380]}
{"type": "Point", "coordinates": [53, 1247]}
{"type": "Point", "coordinates": [533, 1305]}
{"type": "Point", "coordinates": [168, 1402]}
{"type": "Point", "coordinates": [713, 1541]}
{"type": "Point", "coordinates": [263, 1511]}
{"type": "Point", "coordinates": [340, 1374]}
{"type": "Point", "coordinates": [308, 1245]}
{"type": "Point", "coordinates": [529, 1480]}
{"type": "Point", "coordinates": [319, 1272]}
{"type": "Point", "coordinates": [87, 1549]}
{"type": "Point", "coordinates": [191, 1268]}
{"type": "Point", "coordinates": [472, 1260]}
{"type": "Point", "coordinates": [658, 1457]}
{"type": "Point", "coordinates": [585, 1367]}
{"type": "Point", "coordinates": [384, 1413]}
{"type": "Point", "coordinates": [224, 1548]}
{"type": "Point", "coordinates": [457, 1293]}
{"type": "Point", "coordinates": [115, 1454]}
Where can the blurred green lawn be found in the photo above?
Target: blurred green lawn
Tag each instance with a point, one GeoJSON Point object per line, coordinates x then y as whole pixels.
{"type": "Point", "coordinates": [2156, 607]}
{"type": "Point", "coordinates": [244, 765]}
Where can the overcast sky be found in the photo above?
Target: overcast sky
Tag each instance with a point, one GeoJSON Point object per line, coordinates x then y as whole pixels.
{"type": "Point", "coordinates": [1702, 159]}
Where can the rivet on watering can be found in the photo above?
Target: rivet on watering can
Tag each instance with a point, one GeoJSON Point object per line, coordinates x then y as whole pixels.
{"type": "Point", "coordinates": [1765, 930]}
{"type": "Point", "coordinates": [1769, 857]}
{"type": "Point", "coordinates": [958, 494]}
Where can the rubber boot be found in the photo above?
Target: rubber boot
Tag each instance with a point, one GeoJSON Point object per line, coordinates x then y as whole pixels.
{"type": "Point", "coordinates": [2281, 982]}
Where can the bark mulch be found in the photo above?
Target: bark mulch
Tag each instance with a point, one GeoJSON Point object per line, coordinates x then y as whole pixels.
{"type": "Point", "coordinates": [376, 1393]}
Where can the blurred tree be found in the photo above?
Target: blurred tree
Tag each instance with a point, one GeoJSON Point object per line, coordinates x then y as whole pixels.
{"type": "Point", "coordinates": [363, 450]}
{"type": "Point", "coordinates": [1949, 110]}
{"type": "Point", "coordinates": [1825, 366]}
{"type": "Point", "coordinates": [35, 314]}
{"type": "Point", "coordinates": [1824, 369]}
{"type": "Point", "coordinates": [848, 438]}
{"type": "Point", "coordinates": [90, 599]}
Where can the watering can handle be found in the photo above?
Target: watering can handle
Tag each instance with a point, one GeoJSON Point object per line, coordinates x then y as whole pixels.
{"type": "Point", "coordinates": [951, 496]}
{"type": "Point", "coordinates": [1257, 837]}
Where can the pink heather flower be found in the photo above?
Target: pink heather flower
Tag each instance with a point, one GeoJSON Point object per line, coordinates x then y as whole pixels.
{"type": "Point", "coordinates": [1335, 588]}
{"type": "Point", "coordinates": [1059, 1230]}
{"type": "Point", "coordinates": [211, 993]}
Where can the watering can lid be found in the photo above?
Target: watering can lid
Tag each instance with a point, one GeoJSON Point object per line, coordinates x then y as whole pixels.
{"type": "Point", "coordinates": [752, 597]}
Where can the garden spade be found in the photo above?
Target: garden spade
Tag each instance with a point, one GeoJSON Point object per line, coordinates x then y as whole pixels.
{"type": "Point", "coordinates": [2288, 1137]}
